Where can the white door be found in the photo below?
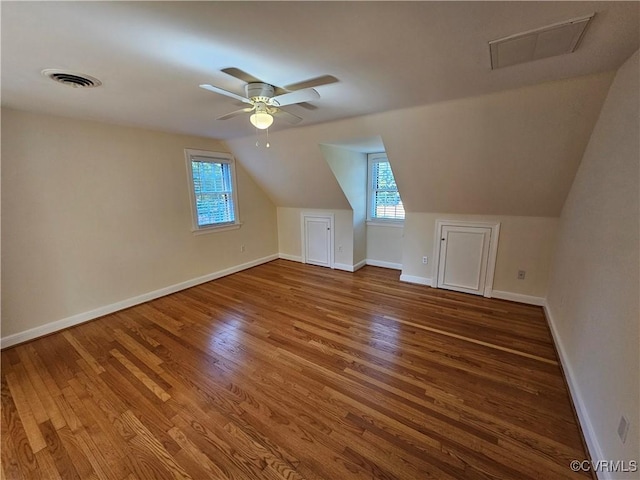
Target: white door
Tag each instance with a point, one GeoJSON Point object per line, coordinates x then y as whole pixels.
{"type": "Point", "coordinates": [464, 254]}
{"type": "Point", "coordinates": [317, 241]}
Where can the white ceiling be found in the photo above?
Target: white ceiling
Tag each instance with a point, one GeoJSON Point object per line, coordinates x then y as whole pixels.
{"type": "Point", "coordinates": [151, 56]}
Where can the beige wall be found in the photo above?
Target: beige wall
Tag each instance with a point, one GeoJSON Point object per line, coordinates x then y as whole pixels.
{"type": "Point", "coordinates": [290, 233]}
{"type": "Point", "coordinates": [595, 282]}
{"type": "Point", "coordinates": [384, 244]}
{"type": "Point", "coordinates": [94, 214]}
{"type": "Point", "coordinates": [525, 243]}
{"type": "Point", "coordinates": [359, 239]}
{"type": "Point", "coordinates": [350, 169]}
{"type": "Point", "coordinates": [289, 236]}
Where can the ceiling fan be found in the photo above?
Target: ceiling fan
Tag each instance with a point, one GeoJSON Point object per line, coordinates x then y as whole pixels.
{"type": "Point", "coordinates": [266, 100]}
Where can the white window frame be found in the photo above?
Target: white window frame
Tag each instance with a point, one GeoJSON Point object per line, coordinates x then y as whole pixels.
{"type": "Point", "coordinates": [213, 157]}
{"type": "Point", "coordinates": [373, 158]}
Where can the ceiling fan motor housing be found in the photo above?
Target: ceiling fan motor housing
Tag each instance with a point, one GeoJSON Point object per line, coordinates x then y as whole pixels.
{"type": "Point", "coordinates": [259, 92]}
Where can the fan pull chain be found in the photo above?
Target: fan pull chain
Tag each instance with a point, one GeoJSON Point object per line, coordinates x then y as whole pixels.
{"type": "Point", "coordinates": [267, 145]}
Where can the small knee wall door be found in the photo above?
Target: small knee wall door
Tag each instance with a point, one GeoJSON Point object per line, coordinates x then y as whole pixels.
{"type": "Point", "coordinates": [466, 256]}
{"type": "Point", "coordinates": [317, 239]}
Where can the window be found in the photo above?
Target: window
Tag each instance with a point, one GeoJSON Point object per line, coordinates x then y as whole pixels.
{"type": "Point", "coordinates": [384, 202]}
{"type": "Point", "coordinates": [212, 187]}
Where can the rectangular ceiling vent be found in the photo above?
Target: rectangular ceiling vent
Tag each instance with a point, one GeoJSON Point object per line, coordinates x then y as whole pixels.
{"type": "Point", "coordinates": [556, 39]}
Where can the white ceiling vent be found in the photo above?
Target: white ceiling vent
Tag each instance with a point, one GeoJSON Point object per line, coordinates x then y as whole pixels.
{"type": "Point", "coordinates": [556, 39]}
{"type": "Point", "coordinates": [72, 79]}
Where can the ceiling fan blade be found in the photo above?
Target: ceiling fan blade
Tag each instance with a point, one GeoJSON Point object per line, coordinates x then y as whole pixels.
{"type": "Point", "coordinates": [308, 106]}
{"type": "Point", "coordinates": [286, 116]}
{"type": "Point", "coordinates": [240, 75]}
{"type": "Point", "coordinates": [248, 78]}
{"type": "Point", "coordinates": [279, 90]}
{"type": "Point", "coordinates": [235, 113]}
{"type": "Point", "coordinates": [221, 91]}
{"type": "Point", "coordinates": [312, 82]}
{"type": "Point", "coordinates": [299, 96]}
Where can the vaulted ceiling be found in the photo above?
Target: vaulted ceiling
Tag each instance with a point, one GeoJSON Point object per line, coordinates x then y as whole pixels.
{"type": "Point", "coordinates": [462, 138]}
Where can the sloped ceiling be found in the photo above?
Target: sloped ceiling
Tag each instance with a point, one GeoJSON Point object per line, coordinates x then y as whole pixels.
{"type": "Point", "coordinates": [151, 56]}
{"type": "Point", "coordinates": [292, 170]}
{"type": "Point", "coordinates": [461, 137]}
{"type": "Point", "coordinates": [508, 153]}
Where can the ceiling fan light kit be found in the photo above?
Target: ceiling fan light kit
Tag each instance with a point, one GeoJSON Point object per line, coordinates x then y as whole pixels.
{"type": "Point", "coordinates": [261, 119]}
{"type": "Point", "coordinates": [265, 104]}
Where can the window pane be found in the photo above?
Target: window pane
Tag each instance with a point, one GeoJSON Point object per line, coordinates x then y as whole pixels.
{"type": "Point", "coordinates": [383, 176]}
{"type": "Point", "coordinates": [213, 191]}
{"type": "Point", "coordinates": [385, 198]}
{"type": "Point", "coordinates": [388, 205]}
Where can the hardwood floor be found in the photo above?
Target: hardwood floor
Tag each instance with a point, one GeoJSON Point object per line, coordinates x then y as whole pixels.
{"type": "Point", "coordinates": [289, 371]}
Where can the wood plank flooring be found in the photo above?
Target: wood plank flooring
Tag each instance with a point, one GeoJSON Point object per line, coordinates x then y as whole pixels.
{"type": "Point", "coordinates": [287, 372]}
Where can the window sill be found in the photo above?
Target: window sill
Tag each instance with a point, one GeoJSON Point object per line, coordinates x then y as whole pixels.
{"type": "Point", "coordinates": [386, 223]}
{"type": "Point", "coordinates": [221, 228]}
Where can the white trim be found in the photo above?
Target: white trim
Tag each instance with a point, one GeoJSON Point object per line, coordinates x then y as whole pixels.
{"type": "Point", "coordinates": [359, 265]}
{"type": "Point", "coordinates": [380, 263]}
{"type": "Point", "coordinates": [303, 236]}
{"type": "Point", "coordinates": [129, 302]}
{"type": "Point", "coordinates": [293, 258]}
{"type": "Point", "coordinates": [519, 297]}
{"type": "Point", "coordinates": [493, 249]}
{"type": "Point", "coordinates": [221, 228]}
{"type": "Point", "coordinates": [588, 431]}
{"type": "Point", "coordinates": [349, 268]}
{"type": "Point", "coordinates": [389, 223]}
{"type": "Point", "coordinates": [337, 266]}
{"type": "Point", "coordinates": [343, 266]}
{"type": "Point", "coordinates": [413, 279]}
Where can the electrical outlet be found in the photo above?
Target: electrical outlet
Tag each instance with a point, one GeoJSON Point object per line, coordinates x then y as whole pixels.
{"type": "Point", "coordinates": [521, 274]}
{"type": "Point", "coordinates": [425, 260]}
{"type": "Point", "coordinates": [242, 249]}
{"type": "Point", "coordinates": [623, 428]}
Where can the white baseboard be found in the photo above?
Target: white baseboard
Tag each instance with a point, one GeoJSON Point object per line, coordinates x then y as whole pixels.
{"type": "Point", "coordinates": [293, 258]}
{"type": "Point", "coordinates": [337, 266]}
{"type": "Point", "coordinates": [518, 297]}
{"type": "Point", "coordinates": [343, 266]}
{"type": "Point", "coordinates": [414, 279]}
{"type": "Point", "coordinates": [129, 302]}
{"type": "Point", "coordinates": [359, 265]}
{"type": "Point", "coordinates": [583, 417]}
{"type": "Point", "coordinates": [380, 263]}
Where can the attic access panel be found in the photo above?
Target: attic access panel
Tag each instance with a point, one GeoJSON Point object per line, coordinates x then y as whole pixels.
{"type": "Point", "coordinates": [557, 39]}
